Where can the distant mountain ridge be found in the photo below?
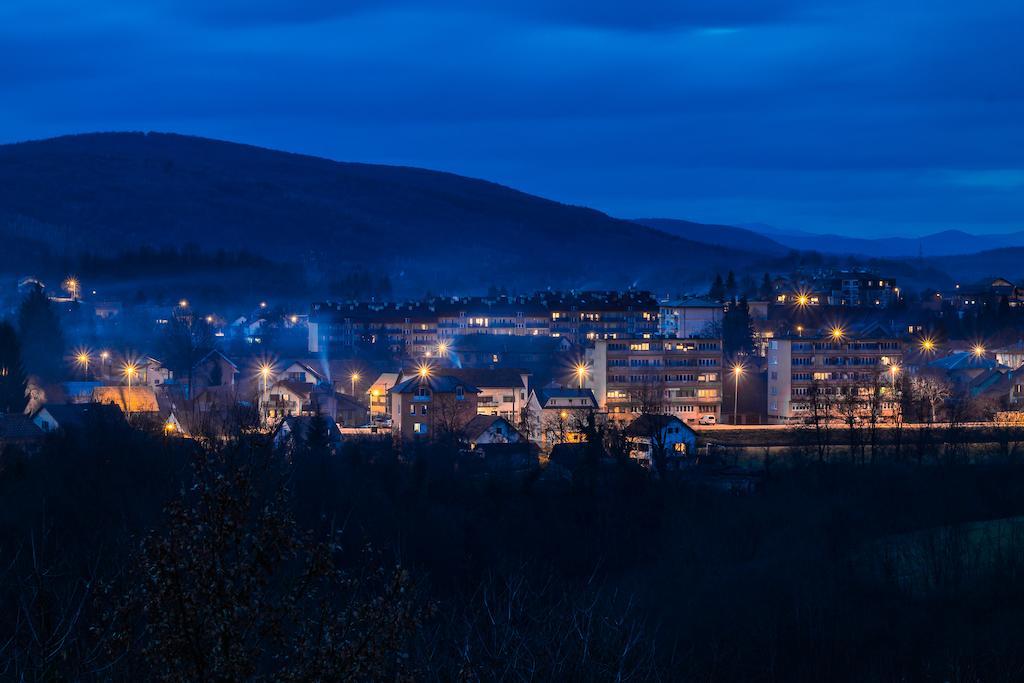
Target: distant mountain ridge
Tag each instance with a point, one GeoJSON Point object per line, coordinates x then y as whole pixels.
{"type": "Point", "coordinates": [722, 235]}
{"type": "Point", "coordinates": [940, 244]}
{"type": "Point", "coordinates": [105, 191]}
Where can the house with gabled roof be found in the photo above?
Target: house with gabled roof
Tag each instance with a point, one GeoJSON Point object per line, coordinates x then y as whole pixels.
{"type": "Point", "coordinates": [430, 404]}
{"type": "Point", "coordinates": [556, 414]}
{"type": "Point", "coordinates": [490, 429]}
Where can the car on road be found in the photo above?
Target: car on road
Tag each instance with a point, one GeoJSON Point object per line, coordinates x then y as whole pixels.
{"type": "Point", "coordinates": [707, 420]}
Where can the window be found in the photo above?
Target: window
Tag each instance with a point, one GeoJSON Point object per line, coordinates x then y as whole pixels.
{"type": "Point", "coordinates": [460, 393]}
{"type": "Point", "coordinates": [412, 409]}
{"type": "Point", "coordinates": [419, 428]}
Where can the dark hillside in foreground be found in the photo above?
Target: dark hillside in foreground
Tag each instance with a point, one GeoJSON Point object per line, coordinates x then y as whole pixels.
{"type": "Point", "coordinates": [110, 191]}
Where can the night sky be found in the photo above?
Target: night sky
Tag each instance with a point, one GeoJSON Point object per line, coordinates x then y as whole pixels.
{"type": "Point", "coordinates": [869, 117]}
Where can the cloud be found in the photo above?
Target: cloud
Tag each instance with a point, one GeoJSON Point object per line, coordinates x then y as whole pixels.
{"type": "Point", "coordinates": [783, 111]}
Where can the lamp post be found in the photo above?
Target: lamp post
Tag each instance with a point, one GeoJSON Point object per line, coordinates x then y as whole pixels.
{"type": "Point", "coordinates": [130, 369]}
{"type": "Point", "coordinates": [264, 370]}
{"type": "Point", "coordinates": [737, 370]}
{"type": "Point", "coordinates": [355, 378]}
{"type": "Point", "coordinates": [581, 373]}
{"type": "Point", "coordinates": [82, 358]}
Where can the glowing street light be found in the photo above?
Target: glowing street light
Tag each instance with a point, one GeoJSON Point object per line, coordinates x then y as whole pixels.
{"type": "Point", "coordinates": [424, 371]}
{"type": "Point", "coordinates": [800, 330]}
{"type": "Point", "coordinates": [581, 373]}
{"type": "Point", "coordinates": [837, 333]}
{"type": "Point", "coordinates": [802, 299]}
{"type": "Point", "coordinates": [894, 370]}
{"type": "Point", "coordinates": [442, 348]}
{"type": "Point", "coordinates": [72, 286]}
{"type": "Point", "coordinates": [355, 378]}
{"type": "Point", "coordinates": [978, 350]}
{"type": "Point", "coordinates": [83, 358]}
{"type": "Point", "coordinates": [183, 303]}
{"type": "Point", "coordinates": [737, 371]}
{"type": "Point", "coordinates": [129, 370]}
{"type": "Point", "coordinates": [927, 344]}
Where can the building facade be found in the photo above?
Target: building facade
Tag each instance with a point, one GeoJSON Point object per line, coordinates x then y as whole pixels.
{"type": "Point", "coordinates": [833, 377]}
{"type": "Point", "coordinates": [680, 377]}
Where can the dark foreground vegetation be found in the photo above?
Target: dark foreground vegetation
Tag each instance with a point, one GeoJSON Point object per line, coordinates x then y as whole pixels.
{"type": "Point", "coordinates": [128, 556]}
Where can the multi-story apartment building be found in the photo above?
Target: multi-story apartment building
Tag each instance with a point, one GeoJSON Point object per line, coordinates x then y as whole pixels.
{"type": "Point", "coordinates": [517, 316]}
{"type": "Point", "coordinates": [409, 329]}
{"type": "Point", "coordinates": [832, 376]}
{"type": "Point", "coordinates": [689, 318]}
{"type": "Point", "coordinates": [681, 377]}
{"type": "Point", "coordinates": [589, 316]}
{"type": "Point", "coordinates": [851, 288]}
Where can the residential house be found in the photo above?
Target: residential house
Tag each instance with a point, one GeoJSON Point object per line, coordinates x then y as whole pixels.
{"type": "Point", "coordinates": [378, 393]}
{"type": "Point", "coordinates": [430, 404]}
{"type": "Point", "coordinates": [557, 415]}
{"type": "Point", "coordinates": [490, 429]}
{"type": "Point", "coordinates": [77, 416]}
{"type": "Point", "coordinates": [648, 434]}
{"type": "Point", "coordinates": [293, 433]}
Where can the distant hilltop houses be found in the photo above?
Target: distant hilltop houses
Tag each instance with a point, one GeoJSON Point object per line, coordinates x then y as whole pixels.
{"type": "Point", "coordinates": [534, 372]}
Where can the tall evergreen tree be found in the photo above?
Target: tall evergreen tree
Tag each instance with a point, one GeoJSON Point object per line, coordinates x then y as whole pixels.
{"type": "Point", "coordinates": [730, 284]}
{"type": "Point", "coordinates": [766, 290]}
{"type": "Point", "coordinates": [717, 291]}
{"type": "Point", "coordinates": [41, 337]}
{"type": "Point", "coordinates": [737, 328]}
{"type": "Point", "coordinates": [12, 372]}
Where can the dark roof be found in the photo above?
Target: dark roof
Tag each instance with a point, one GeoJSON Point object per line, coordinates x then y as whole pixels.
{"type": "Point", "coordinates": [489, 377]}
{"type": "Point", "coordinates": [346, 402]}
{"type": "Point", "coordinates": [647, 424]}
{"type": "Point", "coordinates": [545, 395]}
{"type": "Point", "coordinates": [963, 360]}
{"type": "Point", "coordinates": [18, 427]}
{"type": "Point", "coordinates": [299, 426]}
{"type": "Point", "coordinates": [481, 423]}
{"type": "Point", "coordinates": [437, 383]}
{"type": "Point", "coordinates": [505, 343]}
{"type": "Point", "coordinates": [214, 353]}
{"type": "Point", "coordinates": [77, 415]}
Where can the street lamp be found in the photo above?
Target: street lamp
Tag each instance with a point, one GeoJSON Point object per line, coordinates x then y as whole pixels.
{"type": "Point", "coordinates": [893, 371]}
{"type": "Point", "coordinates": [424, 371]}
{"type": "Point", "coordinates": [737, 370]}
{"type": "Point", "coordinates": [129, 370]}
{"type": "Point", "coordinates": [802, 299]}
{"type": "Point", "coordinates": [71, 284]}
{"type": "Point", "coordinates": [800, 330]}
{"type": "Point", "coordinates": [82, 358]}
{"type": "Point", "coordinates": [837, 333]}
{"type": "Point", "coordinates": [355, 378]}
{"type": "Point", "coordinates": [581, 373]}
{"type": "Point", "coordinates": [978, 350]}
{"type": "Point", "coordinates": [927, 344]}
{"type": "Point", "coordinates": [265, 370]}
{"type": "Point", "coordinates": [183, 303]}
{"type": "Point", "coordinates": [442, 349]}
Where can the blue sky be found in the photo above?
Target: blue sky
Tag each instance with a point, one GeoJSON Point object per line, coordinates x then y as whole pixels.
{"type": "Point", "coordinates": [855, 116]}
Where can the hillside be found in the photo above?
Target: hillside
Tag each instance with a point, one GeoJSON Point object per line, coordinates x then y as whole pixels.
{"type": "Point", "coordinates": [721, 235]}
{"type": "Point", "coordinates": [426, 229]}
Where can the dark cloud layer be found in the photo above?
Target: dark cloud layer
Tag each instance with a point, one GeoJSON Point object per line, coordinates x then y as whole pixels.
{"type": "Point", "coordinates": [853, 115]}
